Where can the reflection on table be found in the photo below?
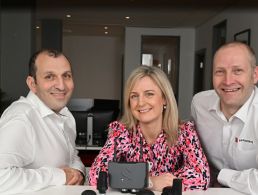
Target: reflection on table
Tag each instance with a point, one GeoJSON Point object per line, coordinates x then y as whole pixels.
{"type": "Point", "coordinates": [77, 190]}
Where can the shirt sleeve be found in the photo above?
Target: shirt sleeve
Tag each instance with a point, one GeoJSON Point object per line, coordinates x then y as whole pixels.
{"type": "Point", "coordinates": [244, 181]}
{"type": "Point", "coordinates": [195, 170]}
{"type": "Point", "coordinates": [19, 180]}
{"type": "Point", "coordinates": [16, 153]}
{"type": "Point", "coordinates": [77, 163]}
{"type": "Point", "coordinates": [193, 111]}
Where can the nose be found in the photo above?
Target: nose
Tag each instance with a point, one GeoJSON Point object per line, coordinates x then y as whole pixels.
{"type": "Point", "coordinates": [228, 78]}
{"type": "Point", "coordinates": [141, 100]}
{"type": "Point", "coordinates": [59, 83]}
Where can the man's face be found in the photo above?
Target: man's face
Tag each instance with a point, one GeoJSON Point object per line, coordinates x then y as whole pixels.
{"type": "Point", "coordinates": [54, 82]}
{"type": "Point", "coordinates": [233, 76]}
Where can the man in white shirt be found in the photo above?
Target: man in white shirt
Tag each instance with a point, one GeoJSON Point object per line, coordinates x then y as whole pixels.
{"type": "Point", "coordinates": [37, 133]}
{"type": "Point", "coordinates": [227, 117]}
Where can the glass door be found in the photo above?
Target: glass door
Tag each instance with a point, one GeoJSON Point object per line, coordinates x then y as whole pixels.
{"type": "Point", "coordinates": [162, 52]}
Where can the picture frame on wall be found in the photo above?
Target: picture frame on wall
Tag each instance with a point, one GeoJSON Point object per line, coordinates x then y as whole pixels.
{"type": "Point", "coordinates": [243, 36]}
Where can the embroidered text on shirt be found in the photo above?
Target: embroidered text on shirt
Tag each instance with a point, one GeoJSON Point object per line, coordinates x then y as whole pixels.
{"type": "Point", "coordinates": [237, 140]}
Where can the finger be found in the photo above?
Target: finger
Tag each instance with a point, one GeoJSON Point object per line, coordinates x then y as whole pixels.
{"type": "Point", "coordinates": [79, 182]}
{"type": "Point", "coordinates": [79, 179]}
{"type": "Point", "coordinates": [76, 179]}
{"type": "Point", "coordinates": [72, 181]}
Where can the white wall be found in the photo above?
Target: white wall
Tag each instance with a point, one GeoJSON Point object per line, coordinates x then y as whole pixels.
{"type": "Point", "coordinates": [97, 65]}
{"type": "Point", "coordinates": [237, 20]}
{"type": "Point", "coordinates": [186, 61]}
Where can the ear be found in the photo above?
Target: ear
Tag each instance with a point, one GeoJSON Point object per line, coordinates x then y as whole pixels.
{"type": "Point", "coordinates": [164, 101]}
{"type": "Point", "coordinates": [255, 74]}
{"type": "Point", "coordinates": [31, 83]}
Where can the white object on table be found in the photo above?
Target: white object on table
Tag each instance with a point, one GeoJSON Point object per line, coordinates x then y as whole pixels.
{"type": "Point", "coordinates": [77, 190]}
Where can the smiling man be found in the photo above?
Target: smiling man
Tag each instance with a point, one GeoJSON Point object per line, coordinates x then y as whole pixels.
{"type": "Point", "coordinates": [37, 132]}
{"type": "Point", "coordinates": [227, 118]}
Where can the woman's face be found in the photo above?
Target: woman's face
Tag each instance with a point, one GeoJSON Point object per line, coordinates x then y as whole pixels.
{"type": "Point", "coordinates": [146, 101]}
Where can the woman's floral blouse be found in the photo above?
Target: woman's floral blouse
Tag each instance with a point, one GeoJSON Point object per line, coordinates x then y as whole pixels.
{"type": "Point", "coordinates": [185, 159]}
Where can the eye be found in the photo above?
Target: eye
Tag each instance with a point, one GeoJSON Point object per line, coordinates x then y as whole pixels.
{"type": "Point", "coordinates": [49, 77]}
{"type": "Point", "coordinates": [68, 75]}
{"type": "Point", "coordinates": [218, 72]}
{"type": "Point", "coordinates": [149, 94]}
{"type": "Point", "coordinates": [238, 71]}
{"type": "Point", "coordinates": [133, 96]}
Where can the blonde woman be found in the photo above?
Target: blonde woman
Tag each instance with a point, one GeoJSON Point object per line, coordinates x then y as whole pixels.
{"type": "Point", "coordinates": [150, 123]}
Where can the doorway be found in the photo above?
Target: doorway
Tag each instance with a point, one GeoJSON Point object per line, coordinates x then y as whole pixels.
{"type": "Point", "coordinates": [219, 35]}
{"type": "Point", "coordinates": [162, 52]}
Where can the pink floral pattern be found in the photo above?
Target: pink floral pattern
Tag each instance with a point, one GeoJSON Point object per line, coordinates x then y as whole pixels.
{"type": "Point", "coordinates": [185, 159]}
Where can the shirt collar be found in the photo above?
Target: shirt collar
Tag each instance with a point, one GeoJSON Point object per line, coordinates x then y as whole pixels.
{"type": "Point", "coordinates": [215, 105]}
{"type": "Point", "coordinates": [241, 113]}
{"type": "Point", "coordinates": [161, 137]}
{"type": "Point", "coordinates": [42, 108]}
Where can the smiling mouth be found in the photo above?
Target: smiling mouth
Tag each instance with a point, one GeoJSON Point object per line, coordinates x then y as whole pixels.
{"type": "Point", "coordinates": [144, 110]}
{"type": "Point", "coordinates": [59, 94]}
{"type": "Point", "coordinates": [231, 90]}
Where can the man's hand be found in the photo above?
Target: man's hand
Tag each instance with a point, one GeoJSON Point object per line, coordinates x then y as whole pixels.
{"type": "Point", "coordinates": [73, 176]}
{"type": "Point", "coordinates": [161, 181]}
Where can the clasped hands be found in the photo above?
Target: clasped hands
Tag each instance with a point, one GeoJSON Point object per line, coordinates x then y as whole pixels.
{"type": "Point", "coordinates": [73, 176]}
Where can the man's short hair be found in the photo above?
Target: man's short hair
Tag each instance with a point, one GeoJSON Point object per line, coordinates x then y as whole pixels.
{"type": "Point", "coordinates": [32, 62]}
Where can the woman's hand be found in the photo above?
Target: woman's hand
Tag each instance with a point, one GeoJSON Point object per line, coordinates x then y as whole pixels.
{"type": "Point", "coordinates": [161, 181]}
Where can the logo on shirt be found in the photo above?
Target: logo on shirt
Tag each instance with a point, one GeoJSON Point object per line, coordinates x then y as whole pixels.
{"type": "Point", "coordinates": [238, 140]}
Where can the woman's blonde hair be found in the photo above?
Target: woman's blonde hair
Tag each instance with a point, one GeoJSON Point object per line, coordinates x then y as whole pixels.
{"type": "Point", "coordinates": [170, 113]}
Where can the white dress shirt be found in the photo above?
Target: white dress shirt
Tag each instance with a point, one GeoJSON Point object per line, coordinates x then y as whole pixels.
{"type": "Point", "coordinates": [231, 145]}
{"type": "Point", "coordinates": [34, 143]}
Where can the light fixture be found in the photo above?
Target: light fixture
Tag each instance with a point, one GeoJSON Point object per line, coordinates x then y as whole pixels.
{"type": "Point", "coordinates": [106, 32]}
{"type": "Point", "coordinates": [105, 27]}
{"type": "Point", "coordinates": [37, 27]}
{"type": "Point", "coordinates": [127, 17]}
{"type": "Point", "coordinates": [68, 16]}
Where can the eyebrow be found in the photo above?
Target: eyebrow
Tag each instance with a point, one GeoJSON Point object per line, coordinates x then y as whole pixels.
{"type": "Point", "coordinates": [148, 90]}
{"type": "Point", "coordinates": [69, 71]}
{"type": "Point", "coordinates": [51, 72]}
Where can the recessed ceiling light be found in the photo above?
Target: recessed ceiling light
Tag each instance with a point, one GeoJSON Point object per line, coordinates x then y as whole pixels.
{"type": "Point", "coordinates": [68, 16]}
{"type": "Point", "coordinates": [127, 17]}
{"type": "Point", "coordinates": [106, 32]}
{"type": "Point", "coordinates": [105, 27]}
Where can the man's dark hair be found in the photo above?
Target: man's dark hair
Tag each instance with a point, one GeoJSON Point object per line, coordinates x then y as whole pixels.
{"type": "Point", "coordinates": [50, 52]}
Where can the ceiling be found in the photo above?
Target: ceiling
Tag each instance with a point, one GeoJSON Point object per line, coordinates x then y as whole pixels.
{"type": "Point", "coordinates": [89, 17]}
